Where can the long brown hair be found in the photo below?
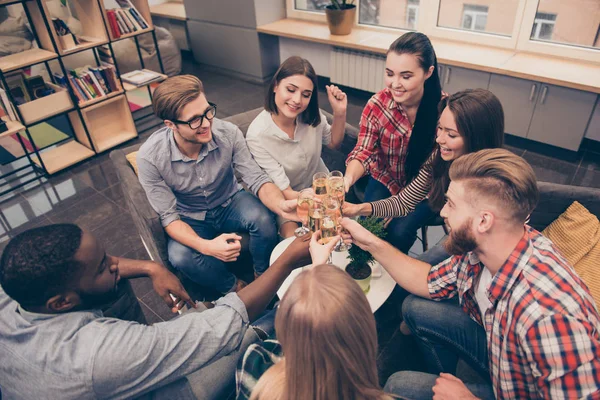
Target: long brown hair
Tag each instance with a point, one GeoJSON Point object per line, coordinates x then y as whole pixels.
{"type": "Point", "coordinates": [480, 121]}
{"type": "Point", "coordinates": [295, 65]}
{"type": "Point", "coordinates": [422, 138]}
{"type": "Point", "coordinates": [328, 336]}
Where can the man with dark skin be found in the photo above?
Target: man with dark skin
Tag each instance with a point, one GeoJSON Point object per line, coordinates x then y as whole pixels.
{"type": "Point", "coordinates": [58, 344]}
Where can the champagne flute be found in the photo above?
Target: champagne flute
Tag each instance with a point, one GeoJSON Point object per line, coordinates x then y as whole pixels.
{"type": "Point", "coordinates": [305, 200]}
{"type": "Point", "coordinates": [316, 212]}
{"type": "Point", "coordinates": [320, 185]}
{"type": "Point", "coordinates": [328, 231]}
{"type": "Point", "coordinates": [336, 188]}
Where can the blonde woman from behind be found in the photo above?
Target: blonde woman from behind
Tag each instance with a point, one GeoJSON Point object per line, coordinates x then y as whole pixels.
{"type": "Point", "coordinates": [327, 332]}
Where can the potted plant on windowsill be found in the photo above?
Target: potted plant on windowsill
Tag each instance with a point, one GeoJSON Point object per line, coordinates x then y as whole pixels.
{"type": "Point", "coordinates": [341, 15]}
{"type": "Point", "coordinates": [359, 267]}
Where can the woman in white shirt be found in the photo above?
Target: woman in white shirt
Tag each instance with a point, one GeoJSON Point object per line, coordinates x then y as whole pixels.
{"type": "Point", "coordinates": [287, 137]}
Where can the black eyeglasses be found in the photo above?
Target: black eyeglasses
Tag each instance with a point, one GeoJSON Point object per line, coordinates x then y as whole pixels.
{"type": "Point", "coordinates": [196, 122]}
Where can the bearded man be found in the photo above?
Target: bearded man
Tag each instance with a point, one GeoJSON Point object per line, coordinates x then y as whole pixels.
{"type": "Point", "coordinates": [524, 320]}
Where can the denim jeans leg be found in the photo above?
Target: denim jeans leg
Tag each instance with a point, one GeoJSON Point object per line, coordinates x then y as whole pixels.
{"type": "Point", "coordinates": [376, 190]}
{"type": "Point", "coordinates": [402, 231]}
{"type": "Point", "coordinates": [246, 213]}
{"type": "Point", "coordinates": [411, 385]}
{"type": "Point", "coordinates": [266, 322]}
{"type": "Point", "coordinates": [436, 254]}
{"type": "Point", "coordinates": [202, 269]}
{"type": "Point", "coordinates": [444, 332]}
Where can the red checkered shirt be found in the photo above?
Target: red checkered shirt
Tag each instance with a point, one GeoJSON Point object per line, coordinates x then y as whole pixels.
{"type": "Point", "coordinates": [542, 328]}
{"type": "Point", "coordinates": [383, 141]}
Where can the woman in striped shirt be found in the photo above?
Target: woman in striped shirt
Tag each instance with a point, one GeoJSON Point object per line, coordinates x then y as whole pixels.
{"type": "Point", "coordinates": [469, 121]}
{"type": "Point", "coordinates": [397, 126]}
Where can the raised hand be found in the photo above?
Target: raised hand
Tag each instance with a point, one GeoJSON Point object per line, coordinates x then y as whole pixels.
{"type": "Point", "coordinates": [320, 252]}
{"type": "Point", "coordinates": [337, 99]}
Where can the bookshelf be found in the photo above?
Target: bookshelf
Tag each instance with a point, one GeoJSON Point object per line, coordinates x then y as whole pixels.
{"type": "Point", "coordinates": [99, 122]}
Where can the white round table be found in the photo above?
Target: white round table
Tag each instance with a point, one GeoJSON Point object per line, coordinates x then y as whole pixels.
{"type": "Point", "coordinates": [381, 286]}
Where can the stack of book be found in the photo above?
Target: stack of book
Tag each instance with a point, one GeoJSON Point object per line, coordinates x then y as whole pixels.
{"type": "Point", "coordinates": [125, 20]}
{"type": "Point", "coordinates": [91, 82]}
{"type": "Point", "coordinates": [141, 77]}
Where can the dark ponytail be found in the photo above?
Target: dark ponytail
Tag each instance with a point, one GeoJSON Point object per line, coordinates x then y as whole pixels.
{"type": "Point", "coordinates": [422, 139]}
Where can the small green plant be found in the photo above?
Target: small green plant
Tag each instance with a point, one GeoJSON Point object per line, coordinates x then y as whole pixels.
{"type": "Point", "coordinates": [359, 257]}
{"type": "Point", "coordinates": [341, 4]}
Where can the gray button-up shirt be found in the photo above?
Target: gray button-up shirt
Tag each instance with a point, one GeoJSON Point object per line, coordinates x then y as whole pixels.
{"type": "Point", "coordinates": [83, 355]}
{"type": "Point", "coordinates": [177, 185]}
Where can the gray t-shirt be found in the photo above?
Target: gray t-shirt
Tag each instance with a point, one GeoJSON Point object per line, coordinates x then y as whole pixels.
{"type": "Point", "coordinates": [83, 355]}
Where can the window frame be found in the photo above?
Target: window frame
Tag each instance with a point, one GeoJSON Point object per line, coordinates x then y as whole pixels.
{"type": "Point", "coordinates": [526, 44]}
{"type": "Point", "coordinates": [519, 39]}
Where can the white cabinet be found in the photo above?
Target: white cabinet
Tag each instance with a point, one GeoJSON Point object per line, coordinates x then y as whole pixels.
{"type": "Point", "coordinates": [545, 113]}
{"type": "Point", "coordinates": [593, 130]}
{"type": "Point", "coordinates": [455, 79]}
{"type": "Point", "coordinates": [561, 116]}
{"type": "Point", "coordinates": [518, 97]}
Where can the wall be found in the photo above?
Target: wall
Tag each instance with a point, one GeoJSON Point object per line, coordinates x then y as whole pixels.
{"type": "Point", "coordinates": [223, 34]}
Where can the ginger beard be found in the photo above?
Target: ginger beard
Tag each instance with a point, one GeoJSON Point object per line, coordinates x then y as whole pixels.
{"type": "Point", "coordinates": [461, 240]}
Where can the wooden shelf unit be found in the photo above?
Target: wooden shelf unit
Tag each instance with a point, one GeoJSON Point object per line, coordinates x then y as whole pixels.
{"type": "Point", "coordinates": [63, 156]}
{"type": "Point", "coordinates": [171, 10]}
{"type": "Point", "coordinates": [98, 124]}
{"type": "Point", "coordinates": [13, 127]}
{"type": "Point", "coordinates": [24, 59]}
{"type": "Point", "coordinates": [109, 123]}
{"type": "Point", "coordinates": [83, 104]}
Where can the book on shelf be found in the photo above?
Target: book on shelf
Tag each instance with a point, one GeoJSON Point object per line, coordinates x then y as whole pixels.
{"type": "Point", "coordinates": [124, 18]}
{"type": "Point", "coordinates": [90, 82]}
{"type": "Point", "coordinates": [141, 77]}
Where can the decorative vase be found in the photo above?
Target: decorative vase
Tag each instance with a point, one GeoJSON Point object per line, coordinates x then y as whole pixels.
{"type": "Point", "coordinates": [340, 21]}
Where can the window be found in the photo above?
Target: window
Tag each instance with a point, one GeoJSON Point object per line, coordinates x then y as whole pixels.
{"type": "Point", "coordinates": [400, 14]}
{"type": "Point", "coordinates": [574, 22]}
{"type": "Point", "coordinates": [543, 26]}
{"type": "Point", "coordinates": [490, 16]}
{"type": "Point", "coordinates": [412, 14]}
{"type": "Point", "coordinates": [312, 5]}
{"type": "Point", "coordinates": [474, 17]}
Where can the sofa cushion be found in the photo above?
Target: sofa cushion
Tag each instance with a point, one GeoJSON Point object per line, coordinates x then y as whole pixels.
{"type": "Point", "coordinates": [576, 233]}
{"type": "Point", "coordinates": [132, 159]}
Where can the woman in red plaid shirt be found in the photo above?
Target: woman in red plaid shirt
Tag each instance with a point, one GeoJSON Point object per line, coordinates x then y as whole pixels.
{"type": "Point", "coordinates": [397, 130]}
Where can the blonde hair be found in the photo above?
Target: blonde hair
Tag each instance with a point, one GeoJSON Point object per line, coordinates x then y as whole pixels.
{"type": "Point", "coordinates": [329, 340]}
{"type": "Point", "coordinates": [171, 96]}
{"type": "Point", "coordinates": [500, 175]}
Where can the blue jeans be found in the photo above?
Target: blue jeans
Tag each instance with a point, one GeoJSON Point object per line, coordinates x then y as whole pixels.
{"type": "Point", "coordinates": [402, 231]}
{"type": "Point", "coordinates": [412, 385]}
{"type": "Point", "coordinates": [436, 254]}
{"type": "Point", "coordinates": [444, 332]}
{"type": "Point", "coordinates": [245, 214]}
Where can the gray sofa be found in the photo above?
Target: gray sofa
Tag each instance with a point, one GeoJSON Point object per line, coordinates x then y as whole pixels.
{"type": "Point", "coordinates": [146, 219]}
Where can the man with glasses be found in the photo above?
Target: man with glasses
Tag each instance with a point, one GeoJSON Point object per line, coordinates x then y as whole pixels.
{"type": "Point", "coordinates": [187, 170]}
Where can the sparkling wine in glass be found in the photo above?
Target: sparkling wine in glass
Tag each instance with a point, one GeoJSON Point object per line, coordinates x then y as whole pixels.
{"type": "Point", "coordinates": [316, 212]}
{"type": "Point", "coordinates": [335, 185]}
{"type": "Point", "coordinates": [320, 185]}
{"type": "Point", "coordinates": [328, 229]}
{"type": "Point", "coordinates": [305, 200]}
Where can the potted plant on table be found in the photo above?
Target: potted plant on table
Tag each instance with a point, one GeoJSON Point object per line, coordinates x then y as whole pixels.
{"type": "Point", "coordinates": [341, 15]}
{"type": "Point", "coordinates": [359, 267]}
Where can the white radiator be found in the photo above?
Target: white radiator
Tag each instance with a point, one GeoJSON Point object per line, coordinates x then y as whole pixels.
{"type": "Point", "coordinates": [356, 69]}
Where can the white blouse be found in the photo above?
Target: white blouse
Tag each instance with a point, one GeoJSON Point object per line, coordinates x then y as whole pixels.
{"type": "Point", "coordinates": [288, 162]}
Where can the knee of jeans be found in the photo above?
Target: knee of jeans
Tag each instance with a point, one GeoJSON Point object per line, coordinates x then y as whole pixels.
{"type": "Point", "coordinates": [180, 256]}
{"type": "Point", "coordinates": [412, 309]}
{"type": "Point", "coordinates": [401, 382]}
{"type": "Point", "coordinates": [264, 222]}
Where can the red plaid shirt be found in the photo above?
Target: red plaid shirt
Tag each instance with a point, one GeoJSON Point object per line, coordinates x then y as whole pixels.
{"type": "Point", "coordinates": [542, 328]}
{"type": "Point", "coordinates": [383, 141]}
